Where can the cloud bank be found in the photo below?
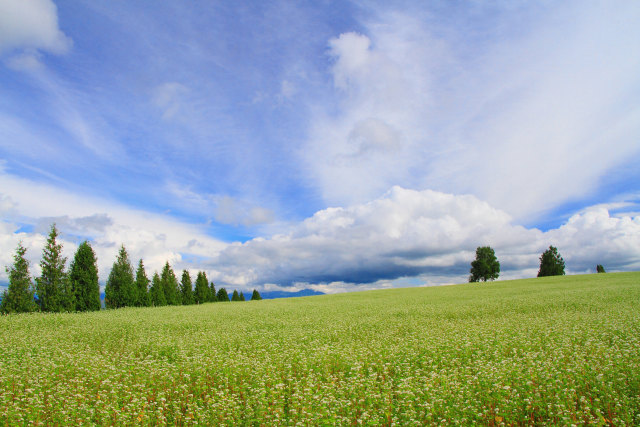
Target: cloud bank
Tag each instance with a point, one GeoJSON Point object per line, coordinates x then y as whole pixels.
{"type": "Point", "coordinates": [428, 235]}
{"type": "Point", "coordinates": [404, 238]}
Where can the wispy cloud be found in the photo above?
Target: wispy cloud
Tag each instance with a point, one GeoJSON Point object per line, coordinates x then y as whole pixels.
{"type": "Point", "coordinates": [507, 118]}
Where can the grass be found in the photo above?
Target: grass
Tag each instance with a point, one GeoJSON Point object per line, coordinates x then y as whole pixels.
{"type": "Point", "coordinates": [554, 351]}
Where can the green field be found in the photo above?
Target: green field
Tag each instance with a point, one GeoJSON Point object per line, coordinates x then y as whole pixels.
{"type": "Point", "coordinates": [558, 350]}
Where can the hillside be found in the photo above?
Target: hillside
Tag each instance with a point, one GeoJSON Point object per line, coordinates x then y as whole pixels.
{"type": "Point", "coordinates": [558, 350]}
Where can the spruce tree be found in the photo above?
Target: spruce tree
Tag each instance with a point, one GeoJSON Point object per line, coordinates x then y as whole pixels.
{"type": "Point", "coordinates": [120, 290]}
{"type": "Point", "coordinates": [185, 288]}
{"type": "Point", "coordinates": [255, 296]}
{"type": "Point", "coordinates": [170, 285]}
{"type": "Point", "coordinates": [213, 297]}
{"type": "Point", "coordinates": [52, 287]}
{"type": "Point", "coordinates": [222, 295]}
{"type": "Point", "coordinates": [156, 292]}
{"type": "Point", "coordinates": [83, 277]}
{"type": "Point", "coordinates": [201, 292]}
{"type": "Point", "coordinates": [551, 263]}
{"type": "Point", "coordinates": [235, 296]}
{"type": "Point", "coordinates": [18, 298]}
{"type": "Point", "coordinates": [242, 296]}
{"type": "Point", "coordinates": [142, 286]}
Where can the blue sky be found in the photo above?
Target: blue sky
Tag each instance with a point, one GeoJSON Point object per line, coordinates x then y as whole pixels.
{"type": "Point", "coordinates": [326, 145]}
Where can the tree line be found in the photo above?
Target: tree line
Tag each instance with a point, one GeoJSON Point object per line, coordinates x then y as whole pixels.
{"type": "Point", "coordinates": [77, 289]}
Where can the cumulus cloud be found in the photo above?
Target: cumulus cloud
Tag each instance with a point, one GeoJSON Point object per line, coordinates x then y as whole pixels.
{"type": "Point", "coordinates": [30, 26]}
{"type": "Point", "coordinates": [426, 235]}
{"type": "Point", "coordinates": [404, 238]}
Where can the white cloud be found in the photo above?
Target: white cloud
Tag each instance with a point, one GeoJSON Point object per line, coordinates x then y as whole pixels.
{"type": "Point", "coordinates": [31, 24]}
{"type": "Point", "coordinates": [404, 238]}
{"type": "Point", "coordinates": [526, 123]}
{"type": "Point", "coordinates": [425, 235]}
{"type": "Point", "coordinates": [153, 237]}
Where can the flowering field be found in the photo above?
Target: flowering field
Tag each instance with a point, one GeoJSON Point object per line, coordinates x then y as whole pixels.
{"type": "Point", "coordinates": [559, 350]}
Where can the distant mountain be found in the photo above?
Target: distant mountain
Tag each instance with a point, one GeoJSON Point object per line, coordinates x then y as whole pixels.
{"type": "Point", "coordinates": [283, 294]}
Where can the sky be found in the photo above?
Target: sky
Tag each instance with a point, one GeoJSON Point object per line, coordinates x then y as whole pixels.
{"type": "Point", "coordinates": [324, 145]}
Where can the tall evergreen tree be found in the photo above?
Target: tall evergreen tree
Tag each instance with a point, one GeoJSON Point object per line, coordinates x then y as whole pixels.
{"type": "Point", "coordinates": [201, 292]}
{"type": "Point", "coordinates": [551, 263]}
{"type": "Point", "coordinates": [120, 290]}
{"type": "Point", "coordinates": [83, 277]}
{"type": "Point", "coordinates": [52, 287]}
{"type": "Point", "coordinates": [142, 286]}
{"type": "Point", "coordinates": [156, 293]}
{"type": "Point", "coordinates": [186, 291]}
{"type": "Point", "coordinates": [242, 296]}
{"type": "Point", "coordinates": [235, 296]}
{"type": "Point", "coordinates": [255, 296]}
{"type": "Point", "coordinates": [170, 285]}
{"type": "Point", "coordinates": [213, 297]}
{"type": "Point", "coordinates": [18, 298]}
{"type": "Point", "coordinates": [222, 295]}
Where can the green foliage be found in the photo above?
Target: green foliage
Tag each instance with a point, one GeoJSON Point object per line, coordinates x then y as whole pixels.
{"type": "Point", "coordinates": [222, 295]}
{"type": "Point", "coordinates": [551, 351]}
{"type": "Point", "coordinates": [600, 268]}
{"type": "Point", "coordinates": [242, 296]}
{"type": "Point", "coordinates": [235, 296]}
{"type": "Point", "coordinates": [143, 299]}
{"type": "Point", "coordinates": [255, 296]}
{"type": "Point", "coordinates": [83, 277]}
{"type": "Point", "coordinates": [156, 293]}
{"type": "Point", "coordinates": [551, 263]}
{"type": "Point", "coordinates": [485, 266]}
{"type": "Point", "coordinates": [170, 285]}
{"type": "Point", "coordinates": [52, 287]}
{"type": "Point", "coordinates": [185, 288]}
{"type": "Point", "coordinates": [18, 298]}
{"type": "Point", "coordinates": [201, 291]}
{"type": "Point", "coordinates": [120, 290]}
{"type": "Point", "coordinates": [212, 293]}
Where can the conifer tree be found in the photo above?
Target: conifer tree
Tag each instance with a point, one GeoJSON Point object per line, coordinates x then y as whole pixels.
{"type": "Point", "coordinates": [242, 296]}
{"type": "Point", "coordinates": [142, 286]}
{"type": "Point", "coordinates": [83, 278]}
{"type": "Point", "coordinates": [222, 295]}
{"type": "Point", "coordinates": [52, 287]}
{"type": "Point", "coordinates": [235, 296]}
{"type": "Point", "coordinates": [255, 296]}
{"type": "Point", "coordinates": [185, 288]}
{"type": "Point", "coordinates": [157, 292]}
{"type": "Point", "coordinates": [18, 298]}
{"type": "Point", "coordinates": [201, 292]}
{"type": "Point", "coordinates": [170, 285]}
{"type": "Point", "coordinates": [551, 263]}
{"type": "Point", "coordinates": [213, 297]}
{"type": "Point", "coordinates": [120, 290]}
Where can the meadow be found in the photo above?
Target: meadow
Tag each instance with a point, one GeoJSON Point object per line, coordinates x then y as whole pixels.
{"type": "Point", "coordinates": [547, 351]}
